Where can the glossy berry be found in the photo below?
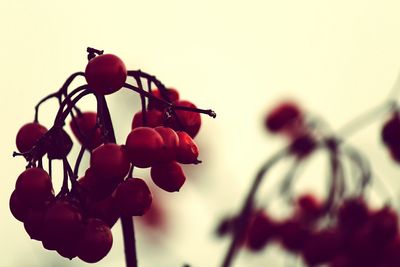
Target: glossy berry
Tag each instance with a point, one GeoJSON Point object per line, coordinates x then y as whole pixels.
{"type": "Point", "coordinates": [283, 117]}
{"type": "Point", "coordinates": [143, 146]}
{"type": "Point", "coordinates": [62, 226]}
{"type": "Point", "coordinates": [168, 176]}
{"type": "Point", "coordinates": [154, 118]}
{"type": "Point", "coordinates": [105, 74]}
{"type": "Point", "coordinates": [85, 129]}
{"type": "Point", "coordinates": [18, 208]}
{"type": "Point", "coordinates": [261, 230]}
{"type": "Point", "coordinates": [187, 151]}
{"type": "Point", "coordinates": [171, 143]}
{"type": "Point", "coordinates": [187, 121]}
{"type": "Point", "coordinates": [28, 135]}
{"type": "Point", "coordinates": [172, 95]}
{"type": "Point", "coordinates": [34, 187]}
{"type": "Point", "coordinates": [132, 197]}
{"type": "Point", "coordinates": [96, 241]}
{"type": "Point", "coordinates": [109, 163]}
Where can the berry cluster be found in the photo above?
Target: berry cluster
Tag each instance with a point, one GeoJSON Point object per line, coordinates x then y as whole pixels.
{"type": "Point", "coordinates": [77, 221]}
{"type": "Point", "coordinates": [340, 231]}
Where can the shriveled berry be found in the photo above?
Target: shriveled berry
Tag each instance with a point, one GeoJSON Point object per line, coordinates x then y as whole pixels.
{"type": "Point", "coordinates": [133, 197]}
{"type": "Point", "coordinates": [58, 143]}
{"type": "Point", "coordinates": [187, 151]}
{"type": "Point", "coordinates": [18, 208]}
{"type": "Point", "coordinates": [171, 143]}
{"type": "Point", "coordinates": [143, 146]}
{"type": "Point", "coordinates": [28, 135]}
{"type": "Point", "coordinates": [172, 95]}
{"type": "Point", "coordinates": [168, 176]}
{"type": "Point", "coordinates": [85, 129]}
{"type": "Point", "coordinates": [34, 187]}
{"type": "Point", "coordinates": [261, 230]}
{"type": "Point", "coordinates": [284, 116]}
{"type": "Point", "coordinates": [154, 118]}
{"type": "Point", "coordinates": [105, 74]}
{"type": "Point", "coordinates": [96, 241]}
{"type": "Point", "coordinates": [110, 163]}
{"type": "Point", "coordinates": [187, 121]}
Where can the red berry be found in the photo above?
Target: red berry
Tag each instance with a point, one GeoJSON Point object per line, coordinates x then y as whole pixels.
{"type": "Point", "coordinates": [293, 235]}
{"type": "Point", "coordinates": [105, 74]}
{"type": "Point", "coordinates": [97, 187]}
{"type": "Point", "coordinates": [187, 121]}
{"type": "Point", "coordinates": [154, 118]}
{"type": "Point", "coordinates": [383, 226]}
{"type": "Point", "coordinates": [171, 143]}
{"type": "Point", "coordinates": [391, 131]}
{"type": "Point", "coordinates": [143, 146]}
{"type": "Point", "coordinates": [28, 135]}
{"type": "Point", "coordinates": [58, 143]}
{"type": "Point", "coordinates": [85, 130]}
{"type": "Point", "coordinates": [132, 197]}
{"type": "Point", "coordinates": [303, 145]}
{"type": "Point", "coordinates": [33, 223]}
{"type": "Point", "coordinates": [62, 226]}
{"type": "Point", "coordinates": [96, 241]}
{"type": "Point", "coordinates": [309, 207]}
{"type": "Point", "coordinates": [284, 117]}
{"type": "Point", "coordinates": [18, 208]}
{"type": "Point", "coordinates": [105, 210]}
{"type": "Point", "coordinates": [322, 247]}
{"type": "Point", "coordinates": [352, 215]}
{"type": "Point", "coordinates": [261, 230]}
{"type": "Point", "coordinates": [109, 163]}
{"type": "Point", "coordinates": [172, 94]}
{"type": "Point", "coordinates": [34, 187]}
{"type": "Point", "coordinates": [187, 151]}
{"type": "Point", "coordinates": [168, 176]}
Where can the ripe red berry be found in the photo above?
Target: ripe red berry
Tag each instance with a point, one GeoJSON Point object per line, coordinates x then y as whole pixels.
{"type": "Point", "coordinates": [34, 187]}
{"type": "Point", "coordinates": [62, 227]}
{"type": "Point", "coordinates": [187, 151]}
{"type": "Point", "coordinates": [110, 163]}
{"type": "Point", "coordinates": [28, 135]}
{"type": "Point", "coordinates": [97, 187]}
{"type": "Point", "coordinates": [284, 117]}
{"type": "Point", "coordinates": [168, 176]}
{"type": "Point", "coordinates": [171, 143]}
{"type": "Point", "coordinates": [303, 145]}
{"type": "Point", "coordinates": [261, 230]}
{"type": "Point", "coordinates": [105, 210]}
{"type": "Point", "coordinates": [132, 197]}
{"type": "Point", "coordinates": [154, 118]}
{"type": "Point", "coordinates": [293, 235]}
{"type": "Point", "coordinates": [96, 241]}
{"type": "Point", "coordinates": [172, 94]}
{"type": "Point", "coordinates": [383, 226]}
{"type": "Point", "coordinates": [143, 146]}
{"type": "Point", "coordinates": [308, 207]}
{"type": "Point", "coordinates": [391, 131]}
{"type": "Point", "coordinates": [187, 121]}
{"type": "Point", "coordinates": [352, 215]}
{"type": "Point", "coordinates": [33, 223]}
{"type": "Point", "coordinates": [105, 74]}
{"type": "Point", "coordinates": [85, 130]}
{"type": "Point", "coordinates": [18, 208]}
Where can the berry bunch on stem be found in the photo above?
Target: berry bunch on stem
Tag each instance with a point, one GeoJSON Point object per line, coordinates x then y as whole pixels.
{"type": "Point", "coordinates": [340, 230]}
{"type": "Point", "coordinates": [76, 220]}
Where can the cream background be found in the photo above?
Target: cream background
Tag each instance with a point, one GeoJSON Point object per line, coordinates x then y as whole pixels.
{"type": "Point", "coordinates": [238, 57]}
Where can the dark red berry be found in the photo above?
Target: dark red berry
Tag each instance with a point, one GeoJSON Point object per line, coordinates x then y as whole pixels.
{"type": "Point", "coordinates": [85, 129]}
{"type": "Point", "coordinates": [105, 210]}
{"type": "Point", "coordinates": [383, 226]}
{"type": "Point", "coordinates": [33, 223]}
{"type": "Point", "coordinates": [97, 187]}
{"type": "Point", "coordinates": [96, 241]}
{"type": "Point", "coordinates": [308, 207]}
{"type": "Point", "coordinates": [261, 230]}
{"type": "Point", "coordinates": [187, 121]}
{"type": "Point", "coordinates": [171, 143]}
{"type": "Point", "coordinates": [293, 235]}
{"type": "Point", "coordinates": [58, 143]}
{"type": "Point", "coordinates": [168, 176]}
{"type": "Point", "coordinates": [143, 146]}
{"type": "Point", "coordinates": [187, 151]}
{"type": "Point", "coordinates": [105, 74]}
{"type": "Point", "coordinates": [34, 187]}
{"type": "Point", "coordinates": [154, 118]}
{"type": "Point", "coordinates": [28, 135]}
{"type": "Point", "coordinates": [18, 208]}
{"type": "Point", "coordinates": [391, 131]}
{"type": "Point", "coordinates": [352, 215]}
{"type": "Point", "coordinates": [303, 145]}
{"type": "Point", "coordinates": [284, 117]}
{"type": "Point", "coordinates": [132, 197]}
{"type": "Point", "coordinates": [172, 95]}
{"type": "Point", "coordinates": [110, 163]}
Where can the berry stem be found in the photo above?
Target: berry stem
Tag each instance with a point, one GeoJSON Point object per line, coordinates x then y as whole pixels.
{"type": "Point", "coordinates": [128, 230]}
{"type": "Point", "coordinates": [245, 213]}
{"type": "Point", "coordinates": [142, 101]}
